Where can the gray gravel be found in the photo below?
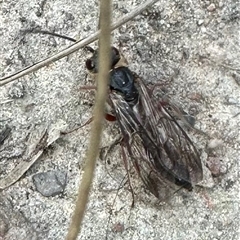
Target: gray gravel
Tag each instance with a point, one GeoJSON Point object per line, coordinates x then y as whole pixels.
{"type": "Point", "coordinates": [50, 183]}
{"type": "Point", "coordinates": [194, 46]}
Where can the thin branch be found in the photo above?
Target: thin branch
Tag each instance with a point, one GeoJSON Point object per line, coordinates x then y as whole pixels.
{"type": "Point", "coordinates": [93, 149]}
{"type": "Point", "coordinates": [36, 31]}
{"type": "Point", "coordinates": [74, 47]}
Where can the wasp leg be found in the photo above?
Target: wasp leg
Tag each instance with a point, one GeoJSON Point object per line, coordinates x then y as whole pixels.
{"type": "Point", "coordinates": [77, 128]}
{"type": "Point", "coordinates": [91, 88]}
{"type": "Point", "coordinates": [109, 148]}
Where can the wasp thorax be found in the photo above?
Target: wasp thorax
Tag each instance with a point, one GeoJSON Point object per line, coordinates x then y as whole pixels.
{"type": "Point", "coordinates": [122, 81]}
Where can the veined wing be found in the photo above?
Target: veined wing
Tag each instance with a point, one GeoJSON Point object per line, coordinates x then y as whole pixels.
{"type": "Point", "coordinates": [144, 153]}
{"type": "Point", "coordinates": [178, 154]}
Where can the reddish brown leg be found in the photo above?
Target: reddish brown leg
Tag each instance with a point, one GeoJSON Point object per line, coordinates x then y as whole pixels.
{"type": "Point", "coordinates": [75, 129]}
{"type": "Point", "coordinates": [91, 88]}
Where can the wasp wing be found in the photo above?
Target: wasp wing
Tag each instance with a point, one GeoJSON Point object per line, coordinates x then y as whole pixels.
{"type": "Point", "coordinates": [159, 149]}
{"type": "Point", "coordinates": [179, 155]}
{"type": "Point", "coordinates": [142, 150]}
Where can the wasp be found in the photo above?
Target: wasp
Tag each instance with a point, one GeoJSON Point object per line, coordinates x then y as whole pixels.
{"type": "Point", "coordinates": [157, 147]}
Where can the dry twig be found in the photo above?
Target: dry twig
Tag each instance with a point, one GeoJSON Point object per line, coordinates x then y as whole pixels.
{"type": "Point", "coordinates": [93, 150]}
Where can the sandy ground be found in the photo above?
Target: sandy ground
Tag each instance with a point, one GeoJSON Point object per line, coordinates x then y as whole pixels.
{"type": "Point", "coordinates": [192, 45]}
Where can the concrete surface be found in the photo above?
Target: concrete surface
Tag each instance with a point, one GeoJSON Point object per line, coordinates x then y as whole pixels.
{"type": "Point", "coordinates": [194, 45]}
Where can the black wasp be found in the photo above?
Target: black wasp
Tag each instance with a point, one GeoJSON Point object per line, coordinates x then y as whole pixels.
{"type": "Point", "coordinates": [157, 147]}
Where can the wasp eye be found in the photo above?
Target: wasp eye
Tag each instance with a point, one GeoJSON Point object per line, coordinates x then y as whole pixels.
{"type": "Point", "coordinates": [115, 56]}
{"type": "Point", "coordinates": [90, 64]}
{"type": "Point", "coordinates": [115, 51]}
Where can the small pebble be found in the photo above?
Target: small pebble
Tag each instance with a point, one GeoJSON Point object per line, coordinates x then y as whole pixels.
{"type": "Point", "coordinates": [16, 90]}
{"type": "Point", "coordinates": [213, 143]}
{"type": "Point", "coordinates": [211, 7]}
{"type": "Point", "coordinates": [200, 22]}
{"type": "Point", "coordinates": [50, 183]}
{"type": "Point", "coordinates": [118, 228]}
{"type": "Point", "coordinates": [216, 166]}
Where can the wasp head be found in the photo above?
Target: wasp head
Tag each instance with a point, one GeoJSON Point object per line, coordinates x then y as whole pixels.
{"type": "Point", "coordinates": [92, 64]}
